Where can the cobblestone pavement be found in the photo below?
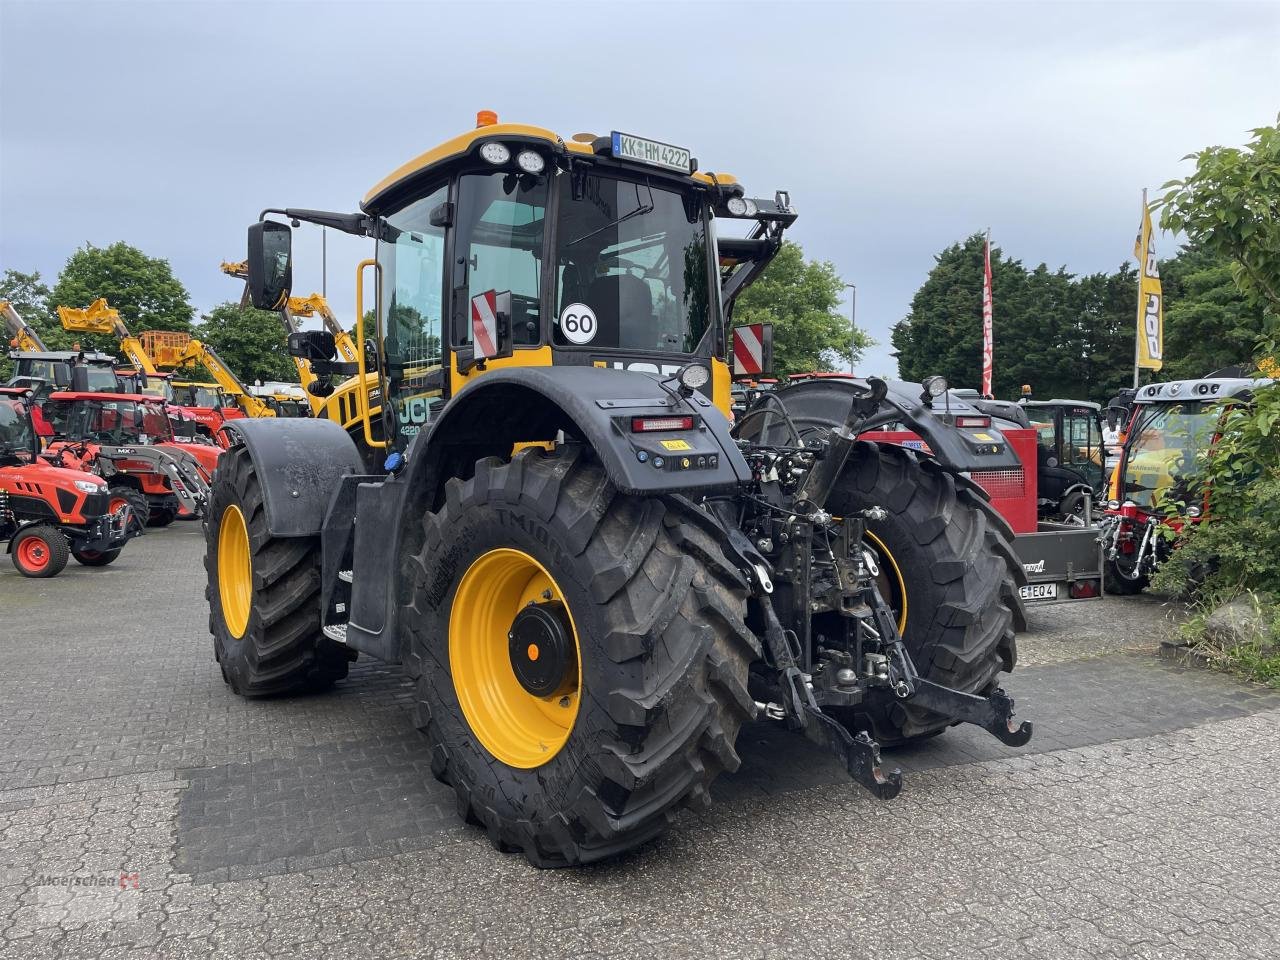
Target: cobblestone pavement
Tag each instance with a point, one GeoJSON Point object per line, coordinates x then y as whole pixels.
{"type": "Point", "coordinates": [146, 812]}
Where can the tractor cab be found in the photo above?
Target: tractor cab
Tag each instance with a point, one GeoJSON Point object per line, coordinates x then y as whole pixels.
{"type": "Point", "coordinates": [509, 246]}
{"type": "Point", "coordinates": [18, 440]}
{"type": "Point", "coordinates": [1070, 455]}
{"type": "Point", "coordinates": [1155, 483]}
{"type": "Point", "coordinates": [54, 369]}
{"type": "Point", "coordinates": [109, 418]}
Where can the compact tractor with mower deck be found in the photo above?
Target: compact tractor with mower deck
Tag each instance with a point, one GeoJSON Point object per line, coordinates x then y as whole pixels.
{"type": "Point", "coordinates": [48, 513]}
{"type": "Point", "coordinates": [591, 580]}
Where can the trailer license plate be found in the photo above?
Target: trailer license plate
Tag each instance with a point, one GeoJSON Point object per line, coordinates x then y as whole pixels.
{"type": "Point", "coordinates": [651, 151]}
{"type": "Point", "coordinates": [1039, 591]}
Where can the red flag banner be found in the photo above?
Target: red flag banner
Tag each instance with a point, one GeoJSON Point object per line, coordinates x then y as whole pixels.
{"type": "Point", "coordinates": [987, 347]}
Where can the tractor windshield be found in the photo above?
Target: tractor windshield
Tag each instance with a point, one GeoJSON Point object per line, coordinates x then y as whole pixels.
{"type": "Point", "coordinates": [1163, 454]}
{"type": "Point", "coordinates": [635, 257]}
{"type": "Point", "coordinates": [121, 422]}
{"type": "Point", "coordinates": [16, 437]}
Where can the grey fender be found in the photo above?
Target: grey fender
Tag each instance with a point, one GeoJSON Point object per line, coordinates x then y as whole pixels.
{"type": "Point", "coordinates": [301, 463]}
{"type": "Point", "coordinates": [820, 404]}
{"type": "Point", "coordinates": [593, 404]}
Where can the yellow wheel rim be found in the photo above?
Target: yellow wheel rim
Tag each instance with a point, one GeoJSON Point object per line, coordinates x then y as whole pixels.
{"type": "Point", "coordinates": [235, 571]}
{"type": "Point", "coordinates": [517, 727]}
{"type": "Point", "coordinates": [891, 576]}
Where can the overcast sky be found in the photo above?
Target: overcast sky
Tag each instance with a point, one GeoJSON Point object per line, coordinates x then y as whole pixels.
{"type": "Point", "coordinates": [898, 128]}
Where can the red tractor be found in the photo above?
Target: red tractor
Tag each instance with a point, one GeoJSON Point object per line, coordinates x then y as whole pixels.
{"type": "Point", "coordinates": [127, 439]}
{"type": "Point", "coordinates": [48, 513]}
{"type": "Point", "coordinates": [1156, 484]}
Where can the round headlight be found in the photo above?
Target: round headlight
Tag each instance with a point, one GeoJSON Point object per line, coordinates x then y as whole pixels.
{"type": "Point", "coordinates": [935, 386]}
{"type": "Point", "coordinates": [530, 162]}
{"type": "Point", "coordinates": [737, 206]}
{"type": "Point", "coordinates": [88, 486]}
{"type": "Point", "coordinates": [751, 208]}
{"type": "Point", "coordinates": [694, 375]}
{"type": "Point", "coordinates": [495, 153]}
{"type": "Point", "coordinates": [1113, 504]}
{"type": "Point", "coordinates": [1193, 512]}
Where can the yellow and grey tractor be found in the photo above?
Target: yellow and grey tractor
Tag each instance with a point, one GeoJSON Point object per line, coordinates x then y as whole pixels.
{"type": "Point", "coordinates": [592, 581]}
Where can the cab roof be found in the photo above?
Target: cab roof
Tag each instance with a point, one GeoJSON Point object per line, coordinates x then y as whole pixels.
{"type": "Point", "coordinates": [1207, 388]}
{"type": "Point", "coordinates": [1056, 402]}
{"type": "Point", "coordinates": [86, 395]}
{"type": "Point", "coordinates": [487, 128]}
{"type": "Point", "coordinates": [64, 356]}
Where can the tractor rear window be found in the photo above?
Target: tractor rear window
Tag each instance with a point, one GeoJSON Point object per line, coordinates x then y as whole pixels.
{"type": "Point", "coordinates": [635, 257]}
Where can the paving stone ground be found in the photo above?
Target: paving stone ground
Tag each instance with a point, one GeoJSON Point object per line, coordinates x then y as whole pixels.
{"type": "Point", "coordinates": [146, 812]}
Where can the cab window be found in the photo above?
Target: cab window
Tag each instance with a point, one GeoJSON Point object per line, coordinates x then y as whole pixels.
{"type": "Point", "coordinates": [411, 268]}
{"type": "Point", "coordinates": [499, 249]}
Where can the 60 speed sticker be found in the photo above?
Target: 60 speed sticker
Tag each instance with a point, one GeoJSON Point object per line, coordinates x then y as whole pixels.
{"type": "Point", "coordinates": [578, 323]}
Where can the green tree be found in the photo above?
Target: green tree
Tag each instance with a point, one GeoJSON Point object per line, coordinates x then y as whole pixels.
{"type": "Point", "coordinates": [1230, 207]}
{"type": "Point", "coordinates": [1209, 323]}
{"type": "Point", "coordinates": [142, 288]}
{"type": "Point", "coordinates": [249, 341]}
{"type": "Point", "coordinates": [30, 299]}
{"type": "Point", "coordinates": [801, 298]}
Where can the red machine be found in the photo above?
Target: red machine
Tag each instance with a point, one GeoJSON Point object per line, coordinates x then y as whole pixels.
{"type": "Point", "coordinates": [127, 439]}
{"type": "Point", "coordinates": [48, 513]}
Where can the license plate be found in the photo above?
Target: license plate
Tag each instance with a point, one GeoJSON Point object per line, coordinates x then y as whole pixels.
{"type": "Point", "coordinates": [1039, 591]}
{"type": "Point", "coordinates": [651, 151]}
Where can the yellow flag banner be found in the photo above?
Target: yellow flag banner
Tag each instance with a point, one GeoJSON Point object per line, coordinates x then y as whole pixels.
{"type": "Point", "coordinates": [1150, 299]}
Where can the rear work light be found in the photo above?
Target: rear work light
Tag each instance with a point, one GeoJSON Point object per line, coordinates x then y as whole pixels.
{"type": "Point", "coordinates": [978, 423]}
{"type": "Point", "coordinates": [653, 424]}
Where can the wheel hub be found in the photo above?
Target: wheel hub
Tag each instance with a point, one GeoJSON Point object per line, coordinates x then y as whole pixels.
{"type": "Point", "coordinates": [540, 644]}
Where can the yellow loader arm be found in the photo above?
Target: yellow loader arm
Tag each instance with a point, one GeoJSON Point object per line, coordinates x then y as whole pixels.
{"type": "Point", "coordinates": [21, 335]}
{"type": "Point", "coordinates": [100, 318]}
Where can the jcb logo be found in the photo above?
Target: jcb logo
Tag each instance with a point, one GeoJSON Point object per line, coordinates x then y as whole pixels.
{"type": "Point", "coordinates": [642, 366]}
{"type": "Point", "coordinates": [1151, 326]}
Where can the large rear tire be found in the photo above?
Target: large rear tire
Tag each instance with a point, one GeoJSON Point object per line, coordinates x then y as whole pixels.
{"type": "Point", "coordinates": [263, 593]}
{"type": "Point", "coordinates": [662, 653]}
{"type": "Point", "coordinates": [953, 579]}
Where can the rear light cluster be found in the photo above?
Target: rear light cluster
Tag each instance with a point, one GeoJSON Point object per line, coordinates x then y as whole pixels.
{"type": "Point", "coordinates": [1082, 589]}
{"type": "Point", "coordinates": [973, 423]}
{"type": "Point", "coordinates": [655, 424]}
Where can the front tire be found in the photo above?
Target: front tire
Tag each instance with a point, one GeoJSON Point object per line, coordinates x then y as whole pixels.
{"type": "Point", "coordinates": [263, 593]}
{"type": "Point", "coordinates": [1121, 580]}
{"type": "Point", "coordinates": [951, 574]}
{"type": "Point", "coordinates": [39, 551]}
{"type": "Point", "coordinates": [96, 558]}
{"type": "Point", "coordinates": [656, 615]}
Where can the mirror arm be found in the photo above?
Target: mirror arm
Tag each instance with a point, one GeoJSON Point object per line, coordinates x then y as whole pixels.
{"type": "Point", "coordinates": [356, 224]}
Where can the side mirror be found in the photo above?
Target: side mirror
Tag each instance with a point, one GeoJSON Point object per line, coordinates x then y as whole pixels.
{"type": "Point", "coordinates": [61, 374]}
{"type": "Point", "coordinates": [270, 264]}
{"type": "Point", "coordinates": [312, 345]}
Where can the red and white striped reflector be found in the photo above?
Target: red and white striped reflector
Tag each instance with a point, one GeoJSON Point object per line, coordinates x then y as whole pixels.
{"type": "Point", "coordinates": [651, 424]}
{"type": "Point", "coordinates": [484, 323]}
{"type": "Point", "coordinates": [748, 349]}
